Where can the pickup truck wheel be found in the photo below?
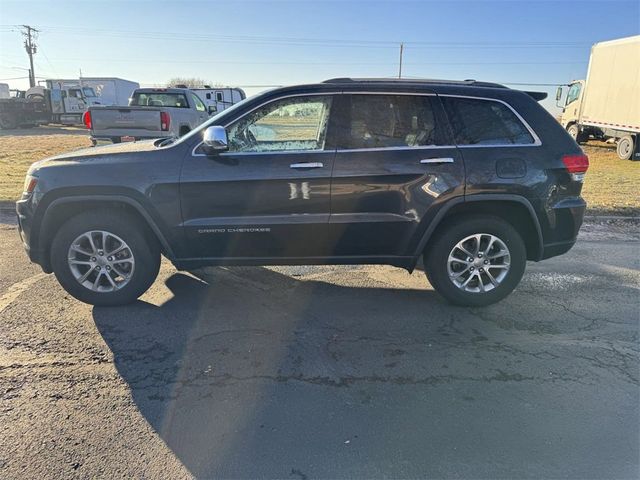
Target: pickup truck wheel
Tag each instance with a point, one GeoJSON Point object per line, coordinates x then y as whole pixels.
{"type": "Point", "coordinates": [475, 261]}
{"type": "Point", "coordinates": [625, 147]}
{"type": "Point", "coordinates": [103, 258]}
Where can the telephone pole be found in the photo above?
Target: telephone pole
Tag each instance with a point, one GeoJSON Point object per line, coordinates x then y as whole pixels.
{"type": "Point", "coordinates": [30, 34]}
{"type": "Point", "coordinates": [400, 66]}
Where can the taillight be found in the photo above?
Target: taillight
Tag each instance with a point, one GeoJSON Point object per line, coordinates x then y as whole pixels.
{"type": "Point", "coordinates": [86, 119]}
{"type": "Point", "coordinates": [576, 163]}
{"type": "Point", "coordinates": [30, 183]}
{"type": "Point", "coordinates": [577, 166]}
{"type": "Point", "coordinates": [165, 121]}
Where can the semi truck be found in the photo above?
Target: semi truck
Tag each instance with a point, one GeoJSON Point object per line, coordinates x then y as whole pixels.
{"type": "Point", "coordinates": [606, 105]}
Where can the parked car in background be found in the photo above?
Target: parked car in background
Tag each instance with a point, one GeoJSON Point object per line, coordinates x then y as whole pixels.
{"type": "Point", "coordinates": [471, 178]}
{"type": "Point", "coordinates": [219, 98]}
{"type": "Point", "coordinates": [151, 113]}
{"type": "Point", "coordinates": [607, 104]}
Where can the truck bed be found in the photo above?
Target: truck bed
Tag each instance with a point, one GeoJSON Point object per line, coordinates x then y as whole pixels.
{"type": "Point", "coordinates": [117, 122]}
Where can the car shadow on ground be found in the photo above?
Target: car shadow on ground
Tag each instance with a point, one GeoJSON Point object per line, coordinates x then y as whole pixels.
{"type": "Point", "coordinates": [248, 373]}
{"type": "Point", "coordinates": [229, 372]}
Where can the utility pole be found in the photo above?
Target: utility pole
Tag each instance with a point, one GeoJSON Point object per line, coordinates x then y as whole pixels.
{"type": "Point", "coordinates": [400, 66]}
{"type": "Point", "coordinates": [31, 48]}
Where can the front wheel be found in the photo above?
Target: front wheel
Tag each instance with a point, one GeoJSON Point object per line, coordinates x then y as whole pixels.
{"type": "Point", "coordinates": [475, 261]}
{"type": "Point", "coordinates": [576, 134]}
{"type": "Point", "coordinates": [104, 258]}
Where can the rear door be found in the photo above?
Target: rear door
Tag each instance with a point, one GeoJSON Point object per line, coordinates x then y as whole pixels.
{"type": "Point", "coordinates": [394, 162]}
{"type": "Point", "coordinates": [269, 195]}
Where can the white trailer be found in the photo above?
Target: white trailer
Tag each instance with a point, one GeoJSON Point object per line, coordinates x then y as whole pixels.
{"type": "Point", "coordinates": [217, 99]}
{"type": "Point", "coordinates": [107, 90]}
{"type": "Point", "coordinates": [607, 104]}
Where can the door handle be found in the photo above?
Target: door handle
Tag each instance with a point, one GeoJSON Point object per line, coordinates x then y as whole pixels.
{"type": "Point", "coordinates": [307, 165]}
{"type": "Point", "coordinates": [437, 160]}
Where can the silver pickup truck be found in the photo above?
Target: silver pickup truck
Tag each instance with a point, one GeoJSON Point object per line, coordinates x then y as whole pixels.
{"type": "Point", "coordinates": [152, 113]}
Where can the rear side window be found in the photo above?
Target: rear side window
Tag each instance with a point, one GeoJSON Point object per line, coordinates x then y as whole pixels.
{"type": "Point", "coordinates": [387, 121]}
{"type": "Point", "coordinates": [484, 122]}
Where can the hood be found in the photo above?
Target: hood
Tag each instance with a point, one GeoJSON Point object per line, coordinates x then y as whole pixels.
{"type": "Point", "coordinates": [116, 148]}
{"type": "Point", "coordinates": [95, 153]}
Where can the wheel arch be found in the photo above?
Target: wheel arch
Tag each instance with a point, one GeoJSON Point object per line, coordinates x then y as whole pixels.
{"type": "Point", "coordinates": [515, 209]}
{"type": "Point", "coordinates": [62, 209]}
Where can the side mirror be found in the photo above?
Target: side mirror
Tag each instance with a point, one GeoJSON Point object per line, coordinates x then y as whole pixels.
{"type": "Point", "coordinates": [215, 140]}
{"type": "Point", "coordinates": [559, 97]}
{"type": "Point", "coordinates": [212, 109]}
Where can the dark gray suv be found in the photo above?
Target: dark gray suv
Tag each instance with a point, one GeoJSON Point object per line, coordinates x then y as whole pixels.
{"type": "Point", "coordinates": [474, 178]}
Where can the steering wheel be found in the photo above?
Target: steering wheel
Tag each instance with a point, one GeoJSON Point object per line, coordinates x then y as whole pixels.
{"type": "Point", "coordinates": [250, 138]}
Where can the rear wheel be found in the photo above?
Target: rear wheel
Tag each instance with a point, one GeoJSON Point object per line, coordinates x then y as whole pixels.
{"type": "Point", "coordinates": [104, 258]}
{"type": "Point", "coordinates": [475, 261]}
{"type": "Point", "coordinates": [625, 147]}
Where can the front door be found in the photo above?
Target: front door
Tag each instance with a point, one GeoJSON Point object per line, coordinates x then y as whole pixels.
{"type": "Point", "coordinates": [269, 195]}
{"type": "Point", "coordinates": [394, 161]}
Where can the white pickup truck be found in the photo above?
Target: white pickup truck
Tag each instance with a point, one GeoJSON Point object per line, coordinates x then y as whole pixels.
{"type": "Point", "coordinates": [151, 113]}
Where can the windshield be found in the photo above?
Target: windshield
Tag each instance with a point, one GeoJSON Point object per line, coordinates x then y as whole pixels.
{"type": "Point", "coordinates": [159, 99]}
{"type": "Point", "coordinates": [88, 92]}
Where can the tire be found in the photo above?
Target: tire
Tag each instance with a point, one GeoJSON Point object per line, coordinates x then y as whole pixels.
{"type": "Point", "coordinates": [7, 122]}
{"type": "Point", "coordinates": [576, 134]}
{"type": "Point", "coordinates": [184, 131]}
{"type": "Point", "coordinates": [140, 271]}
{"type": "Point", "coordinates": [625, 147]}
{"type": "Point", "coordinates": [437, 264]}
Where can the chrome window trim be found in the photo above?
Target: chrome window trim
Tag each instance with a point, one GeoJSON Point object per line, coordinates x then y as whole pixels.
{"type": "Point", "coordinates": [536, 143]}
{"type": "Point", "coordinates": [536, 139]}
{"type": "Point", "coordinates": [324, 94]}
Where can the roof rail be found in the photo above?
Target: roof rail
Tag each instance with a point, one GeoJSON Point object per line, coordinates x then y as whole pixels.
{"type": "Point", "coordinates": [469, 82]}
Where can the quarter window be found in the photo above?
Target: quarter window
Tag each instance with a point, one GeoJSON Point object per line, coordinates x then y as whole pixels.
{"type": "Point", "coordinates": [388, 121]}
{"type": "Point", "coordinates": [484, 122]}
{"type": "Point", "coordinates": [298, 123]}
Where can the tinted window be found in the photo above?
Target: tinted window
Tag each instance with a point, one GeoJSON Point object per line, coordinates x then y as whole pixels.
{"type": "Point", "coordinates": [484, 122]}
{"type": "Point", "coordinates": [385, 121]}
{"type": "Point", "coordinates": [298, 123]}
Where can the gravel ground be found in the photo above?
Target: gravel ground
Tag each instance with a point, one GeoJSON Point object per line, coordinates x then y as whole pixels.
{"type": "Point", "coordinates": [333, 372]}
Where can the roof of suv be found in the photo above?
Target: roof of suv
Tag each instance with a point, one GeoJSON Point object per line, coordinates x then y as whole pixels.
{"type": "Point", "coordinates": [414, 81]}
{"type": "Point", "coordinates": [425, 82]}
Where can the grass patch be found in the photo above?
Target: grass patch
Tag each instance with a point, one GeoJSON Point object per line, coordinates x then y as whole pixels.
{"type": "Point", "coordinates": [17, 153]}
{"type": "Point", "coordinates": [611, 185]}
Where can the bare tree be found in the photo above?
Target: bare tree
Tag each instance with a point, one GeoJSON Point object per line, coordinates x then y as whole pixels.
{"type": "Point", "coordinates": [190, 82]}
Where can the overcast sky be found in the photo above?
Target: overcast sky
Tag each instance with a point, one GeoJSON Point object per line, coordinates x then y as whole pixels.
{"type": "Point", "coordinates": [255, 44]}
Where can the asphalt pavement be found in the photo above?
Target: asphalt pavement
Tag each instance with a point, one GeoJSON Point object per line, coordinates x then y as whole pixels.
{"type": "Point", "coordinates": [326, 372]}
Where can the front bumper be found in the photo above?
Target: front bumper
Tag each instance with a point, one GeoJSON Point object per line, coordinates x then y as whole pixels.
{"type": "Point", "coordinates": [24, 213]}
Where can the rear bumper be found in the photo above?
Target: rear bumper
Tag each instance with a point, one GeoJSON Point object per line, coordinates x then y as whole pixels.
{"type": "Point", "coordinates": [563, 222]}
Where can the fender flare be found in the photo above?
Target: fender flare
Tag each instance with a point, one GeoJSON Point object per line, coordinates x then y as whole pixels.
{"type": "Point", "coordinates": [480, 197]}
{"type": "Point", "coordinates": [108, 198]}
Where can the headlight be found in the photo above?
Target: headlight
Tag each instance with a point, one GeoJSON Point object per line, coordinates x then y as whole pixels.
{"type": "Point", "coordinates": [30, 183]}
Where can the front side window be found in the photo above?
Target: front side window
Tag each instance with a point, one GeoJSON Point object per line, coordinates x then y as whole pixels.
{"type": "Point", "coordinates": [574, 92]}
{"type": "Point", "coordinates": [198, 103]}
{"type": "Point", "coordinates": [484, 122]}
{"type": "Point", "coordinates": [388, 121]}
{"type": "Point", "coordinates": [298, 123]}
